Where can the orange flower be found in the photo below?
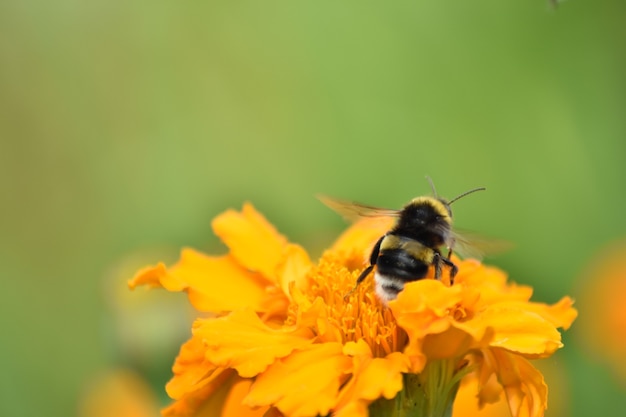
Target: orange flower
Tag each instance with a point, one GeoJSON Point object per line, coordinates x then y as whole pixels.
{"type": "Point", "coordinates": [602, 294]}
{"type": "Point", "coordinates": [118, 392]}
{"type": "Point", "coordinates": [284, 340]}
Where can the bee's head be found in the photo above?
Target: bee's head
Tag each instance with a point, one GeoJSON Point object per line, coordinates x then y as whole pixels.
{"type": "Point", "coordinates": [426, 214]}
{"type": "Point", "coordinates": [429, 219]}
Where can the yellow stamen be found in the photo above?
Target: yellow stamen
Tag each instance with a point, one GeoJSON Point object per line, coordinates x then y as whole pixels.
{"type": "Point", "coordinates": [359, 315]}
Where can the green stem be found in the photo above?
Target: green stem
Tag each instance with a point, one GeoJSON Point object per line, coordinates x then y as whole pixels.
{"type": "Point", "coordinates": [428, 394]}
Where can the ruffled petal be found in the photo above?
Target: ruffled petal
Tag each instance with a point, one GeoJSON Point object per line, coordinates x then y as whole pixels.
{"type": "Point", "coordinates": [243, 342]}
{"type": "Point", "coordinates": [156, 276]}
{"type": "Point", "coordinates": [452, 343]}
{"type": "Point", "coordinates": [199, 387]}
{"type": "Point", "coordinates": [560, 314]}
{"type": "Point", "coordinates": [206, 400]}
{"type": "Point", "coordinates": [426, 296]}
{"type": "Point", "coordinates": [353, 409]}
{"type": "Point", "coordinates": [191, 370]}
{"type": "Point", "coordinates": [293, 268]}
{"type": "Point", "coordinates": [213, 284]}
{"type": "Point", "coordinates": [372, 378]}
{"type": "Point", "coordinates": [252, 240]}
{"type": "Point", "coordinates": [422, 309]}
{"type": "Point", "coordinates": [523, 384]}
{"type": "Point", "coordinates": [355, 244]}
{"type": "Point", "coordinates": [466, 403]}
{"type": "Point", "coordinates": [234, 407]}
{"type": "Point", "coordinates": [490, 282]}
{"type": "Point", "coordinates": [381, 377]}
{"type": "Point", "coordinates": [306, 383]}
{"type": "Point", "coordinates": [514, 329]}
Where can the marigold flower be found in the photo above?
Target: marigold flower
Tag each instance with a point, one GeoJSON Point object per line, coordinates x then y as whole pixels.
{"type": "Point", "coordinates": [602, 293]}
{"type": "Point", "coordinates": [118, 392]}
{"type": "Point", "coordinates": [283, 340]}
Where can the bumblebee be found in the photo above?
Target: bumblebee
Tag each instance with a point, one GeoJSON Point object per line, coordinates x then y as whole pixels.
{"type": "Point", "coordinates": [405, 253]}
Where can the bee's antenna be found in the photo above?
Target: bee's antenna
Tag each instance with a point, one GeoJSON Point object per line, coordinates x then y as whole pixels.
{"type": "Point", "coordinates": [466, 193]}
{"type": "Point", "coordinates": [432, 185]}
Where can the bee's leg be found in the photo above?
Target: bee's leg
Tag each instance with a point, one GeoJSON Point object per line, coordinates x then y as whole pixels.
{"type": "Point", "coordinates": [437, 263]}
{"type": "Point", "coordinates": [368, 270]}
{"type": "Point", "coordinates": [364, 275]}
{"type": "Point", "coordinates": [453, 268]}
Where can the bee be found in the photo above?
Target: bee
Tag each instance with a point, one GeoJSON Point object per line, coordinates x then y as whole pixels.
{"type": "Point", "coordinates": [404, 254]}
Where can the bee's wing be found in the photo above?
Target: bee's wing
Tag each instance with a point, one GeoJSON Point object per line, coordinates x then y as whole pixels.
{"type": "Point", "coordinates": [352, 211]}
{"type": "Point", "coordinates": [471, 245]}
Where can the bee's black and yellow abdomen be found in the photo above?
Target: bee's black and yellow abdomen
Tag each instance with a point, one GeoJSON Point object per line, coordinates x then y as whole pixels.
{"type": "Point", "coordinates": [400, 264]}
{"type": "Point", "coordinates": [400, 259]}
{"type": "Point", "coordinates": [403, 257]}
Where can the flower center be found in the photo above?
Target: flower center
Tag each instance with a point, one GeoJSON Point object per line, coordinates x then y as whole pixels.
{"type": "Point", "coordinates": [355, 313]}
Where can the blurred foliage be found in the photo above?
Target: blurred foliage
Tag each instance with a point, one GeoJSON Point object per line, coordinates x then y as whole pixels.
{"type": "Point", "coordinates": [126, 126]}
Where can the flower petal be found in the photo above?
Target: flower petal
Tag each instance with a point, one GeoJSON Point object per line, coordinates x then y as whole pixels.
{"type": "Point", "coordinates": [382, 377]}
{"type": "Point", "coordinates": [358, 240]}
{"type": "Point", "coordinates": [490, 283]}
{"type": "Point", "coordinates": [372, 378]}
{"type": "Point", "coordinates": [156, 276]}
{"type": "Point", "coordinates": [213, 284]}
{"type": "Point", "coordinates": [197, 384]}
{"type": "Point", "coordinates": [220, 284]}
{"type": "Point", "coordinates": [525, 389]}
{"type": "Point", "coordinates": [243, 342]}
{"type": "Point", "coordinates": [353, 409]}
{"type": "Point", "coordinates": [191, 370]}
{"type": "Point", "coordinates": [524, 386]}
{"type": "Point", "coordinates": [451, 343]}
{"type": "Point", "coordinates": [293, 268]}
{"type": "Point", "coordinates": [515, 329]}
{"type": "Point", "coordinates": [207, 401]}
{"type": "Point", "coordinates": [421, 309]}
{"type": "Point", "coordinates": [252, 240]}
{"type": "Point", "coordinates": [466, 403]}
{"type": "Point", "coordinates": [427, 295]}
{"type": "Point", "coordinates": [234, 407]}
{"type": "Point", "coordinates": [306, 383]}
{"type": "Point", "coordinates": [560, 314]}
{"type": "Point", "coordinates": [199, 387]}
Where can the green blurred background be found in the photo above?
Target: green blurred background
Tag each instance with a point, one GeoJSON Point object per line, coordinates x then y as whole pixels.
{"type": "Point", "coordinates": [126, 127]}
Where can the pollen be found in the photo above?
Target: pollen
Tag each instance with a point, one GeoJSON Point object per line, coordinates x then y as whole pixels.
{"type": "Point", "coordinates": [354, 313]}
